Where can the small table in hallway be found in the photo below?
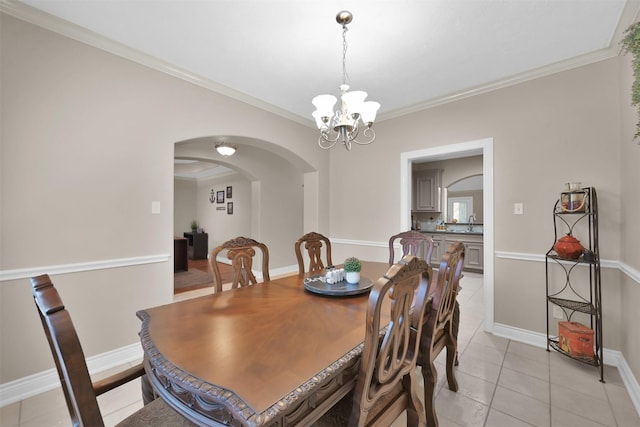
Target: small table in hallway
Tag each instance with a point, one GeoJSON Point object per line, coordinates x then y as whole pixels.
{"type": "Point", "coordinates": [180, 257]}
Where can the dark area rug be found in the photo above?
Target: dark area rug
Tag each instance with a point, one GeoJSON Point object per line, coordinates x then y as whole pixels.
{"type": "Point", "coordinates": [189, 280]}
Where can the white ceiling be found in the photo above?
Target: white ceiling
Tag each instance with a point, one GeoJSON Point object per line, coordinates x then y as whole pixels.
{"type": "Point", "coordinates": [408, 55]}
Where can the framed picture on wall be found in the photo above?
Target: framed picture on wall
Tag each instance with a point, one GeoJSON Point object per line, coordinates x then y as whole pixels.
{"type": "Point", "coordinates": [230, 208]}
{"type": "Point", "coordinates": [220, 196]}
{"type": "Point", "coordinates": [229, 193]}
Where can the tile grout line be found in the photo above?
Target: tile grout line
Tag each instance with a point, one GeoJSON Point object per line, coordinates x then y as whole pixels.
{"type": "Point", "coordinates": [495, 389]}
{"type": "Point", "coordinates": [613, 412]}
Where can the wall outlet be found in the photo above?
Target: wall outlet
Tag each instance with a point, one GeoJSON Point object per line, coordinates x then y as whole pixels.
{"type": "Point", "coordinates": [557, 312]}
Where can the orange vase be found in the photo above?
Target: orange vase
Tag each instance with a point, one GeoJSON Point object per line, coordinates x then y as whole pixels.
{"type": "Point", "coordinates": [568, 247]}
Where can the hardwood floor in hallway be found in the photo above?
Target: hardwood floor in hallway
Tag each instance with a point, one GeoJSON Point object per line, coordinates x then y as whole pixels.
{"type": "Point", "coordinates": [202, 265]}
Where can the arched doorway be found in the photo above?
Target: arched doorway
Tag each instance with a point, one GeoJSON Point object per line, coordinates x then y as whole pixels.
{"type": "Point", "coordinates": [274, 186]}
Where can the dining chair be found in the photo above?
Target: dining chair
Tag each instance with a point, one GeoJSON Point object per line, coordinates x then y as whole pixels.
{"type": "Point", "coordinates": [440, 329]}
{"type": "Point", "coordinates": [240, 251]}
{"type": "Point", "coordinates": [80, 391]}
{"type": "Point", "coordinates": [411, 241]}
{"type": "Point", "coordinates": [313, 243]}
{"type": "Point", "coordinates": [386, 382]}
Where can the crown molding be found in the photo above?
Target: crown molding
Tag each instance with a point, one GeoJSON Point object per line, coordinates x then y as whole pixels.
{"type": "Point", "coordinates": [548, 70]}
{"type": "Point", "coordinates": [68, 29]}
{"type": "Point", "coordinates": [629, 15]}
{"type": "Point", "coordinates": [37, 17]}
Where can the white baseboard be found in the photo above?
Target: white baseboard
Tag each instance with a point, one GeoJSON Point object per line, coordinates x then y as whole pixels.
{"type": "Point", "coordinates": [630, 382]}
{"type": "Point", "coordinates": [610, 357]}
{"type": "Point", "coordinates": [32, 385]}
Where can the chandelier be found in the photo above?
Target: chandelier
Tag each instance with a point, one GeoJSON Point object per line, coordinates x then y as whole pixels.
{"type": "Point", "coordinates": [354, 113]}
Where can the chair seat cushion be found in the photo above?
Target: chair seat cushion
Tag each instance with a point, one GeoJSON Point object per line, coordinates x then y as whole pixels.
{"type": "Point", "coordinates": [156, 413]}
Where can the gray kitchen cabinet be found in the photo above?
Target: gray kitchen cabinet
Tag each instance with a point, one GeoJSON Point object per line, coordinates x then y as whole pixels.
{"type": "Point", "coordinates": [438, 250]}
{"type": "Point", "coordinates": [427, 191]}
{"type": "Point", "coordinates": [474, 256]}
{"type": "Point", "coordinates": [473, 250]}
{"type": "Point", "coordinates": [473, 244]}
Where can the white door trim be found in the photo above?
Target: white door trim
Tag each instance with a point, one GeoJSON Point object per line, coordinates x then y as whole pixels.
{"type": "Point", "coordinates": [451, 151]}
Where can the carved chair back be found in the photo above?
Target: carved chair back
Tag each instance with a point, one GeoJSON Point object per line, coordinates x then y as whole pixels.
{"type": "Point", "coordinates": [80, 392]}
{"type": "Point", "coordinates": [410, 241]}
{"type": "Point", "coordinates": [67, 353]}
{"type": "Point", "coordinates": [439, 329]}
{"type": "Point", "coordinates": [386, 379]}
{"type": "Point", "coordinates": [240, 251]}
{"type": "Point", "coordinates": [313, 243]}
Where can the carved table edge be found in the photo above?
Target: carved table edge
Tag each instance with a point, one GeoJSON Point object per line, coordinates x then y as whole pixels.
{"type": "Point", "coordinates": [206, 398]}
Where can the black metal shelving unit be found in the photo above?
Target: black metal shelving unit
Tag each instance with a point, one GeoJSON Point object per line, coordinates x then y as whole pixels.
{"type": "Point", "coordinates": [569, 286]}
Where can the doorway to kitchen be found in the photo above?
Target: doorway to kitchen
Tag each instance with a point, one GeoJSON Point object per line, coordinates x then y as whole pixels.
{"type": "Point", "coordinates": [484, 148]}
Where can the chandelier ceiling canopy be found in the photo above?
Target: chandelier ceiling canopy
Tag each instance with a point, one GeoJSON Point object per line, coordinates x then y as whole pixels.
{"type": "Point", "coordinates": [353, 113]}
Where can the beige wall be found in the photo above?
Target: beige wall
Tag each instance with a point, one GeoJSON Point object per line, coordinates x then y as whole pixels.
{"type": "Point", "coordinates": [89, 138]}
{"type": "Point", "coordinates": [192, 202]}
{"type": "Point", "coordinates": [546, 132]}
{"type": "Point", "coordinates": [629, 220]}
{"type": "Point", "coordinates": [185, 207]}
{"type": "Point", "coordinates": [87, 145]}
{"type": "Point", "coordinates": [218, 223]}
{"type": "Point", "coordinates": [564, 127]}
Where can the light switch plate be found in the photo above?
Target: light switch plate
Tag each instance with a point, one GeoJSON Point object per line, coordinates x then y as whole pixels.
{"type": "Point", "coordinates": [518, 209]}
{"type": "Point", "coordinates": [155, 207]}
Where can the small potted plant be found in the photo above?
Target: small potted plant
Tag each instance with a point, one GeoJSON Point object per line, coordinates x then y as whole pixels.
{"type": "Point", "coordinates": [352, 267]}
{"type": "Point", "coordinates": [194, 226]}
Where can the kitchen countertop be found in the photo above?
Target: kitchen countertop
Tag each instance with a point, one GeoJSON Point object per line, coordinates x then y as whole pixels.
{"type": "Point", "coordinates": [472, 233]}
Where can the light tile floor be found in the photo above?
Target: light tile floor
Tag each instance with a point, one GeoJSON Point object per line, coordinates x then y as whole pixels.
{"type": "Point", "coordinates": [502, 383]}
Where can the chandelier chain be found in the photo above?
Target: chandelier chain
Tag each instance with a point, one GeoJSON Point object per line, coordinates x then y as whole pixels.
{"type": "Point", "coordinates": [344, 54]}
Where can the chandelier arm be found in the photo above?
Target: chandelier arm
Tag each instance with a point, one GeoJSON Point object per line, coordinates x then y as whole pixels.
{"type": "Point", "coordinates": [326, 142]}
{"type": "Point", "coordinates": [326, 135]}
{"type": "Point", "coordinates": [326, 147]}
{"type": "Point", "coordinates": [368, 133]}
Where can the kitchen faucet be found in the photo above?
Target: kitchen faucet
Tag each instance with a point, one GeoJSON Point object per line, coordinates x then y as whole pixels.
{"type": "Point", "coordinates": [472, 218]}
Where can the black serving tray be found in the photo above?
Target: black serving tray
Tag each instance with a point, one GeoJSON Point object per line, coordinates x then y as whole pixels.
{"type": "Point", "coordinates": [318, 285]}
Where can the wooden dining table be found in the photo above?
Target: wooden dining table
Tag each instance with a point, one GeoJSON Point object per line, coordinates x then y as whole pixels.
{"type": "Point", "coordinates": [268, 354]}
